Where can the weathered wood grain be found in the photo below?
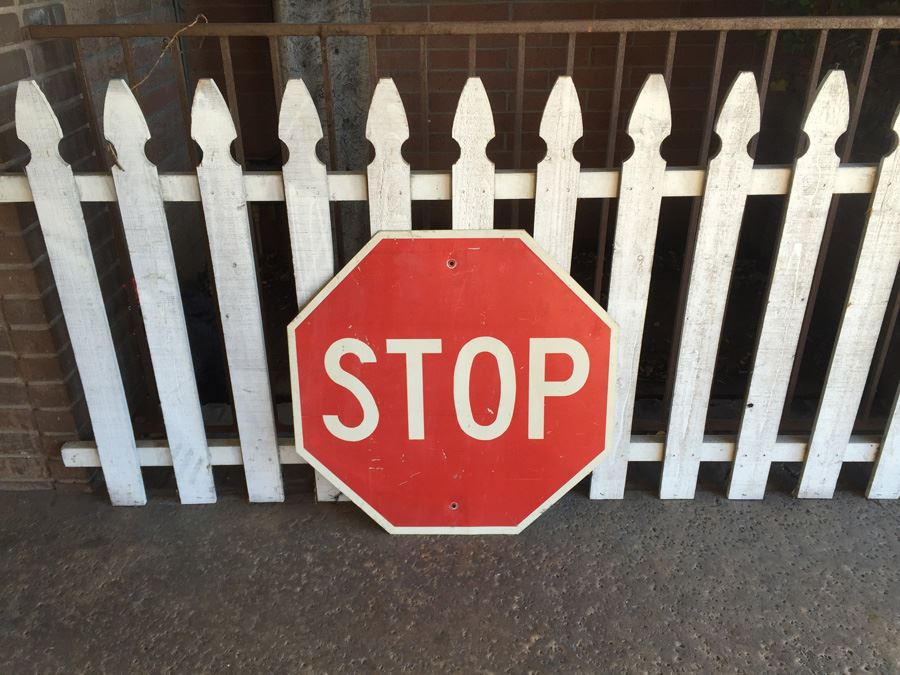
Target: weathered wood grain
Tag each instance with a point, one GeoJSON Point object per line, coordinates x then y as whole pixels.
{"type": "Point", "coordinates": [727, 184]}
{"type": "Point", "coordinates": [812, 187]}
{"type": "Point", "coordinates": [388, 174]}
{"type": "Point", "coordinates": [309, 212]}
{"type": "Point", "coordinates": [870, 292]}
{"type": "Point", "coordinates": [153, 264]}
{"type": "Point", "coordinates": [556, 192]}
{"type": "Point", "coordinates": [635, 240]}
{"type": "Point", "coordinates": [231, 249]}
{"type": "Point", "coordinates": [473, 173]}
{"type": "Point", "coordinates": [58, 206]}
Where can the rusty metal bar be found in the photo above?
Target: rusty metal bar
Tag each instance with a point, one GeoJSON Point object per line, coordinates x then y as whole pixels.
{"type": "Point", "coordinates": [88, 96]}
{"type": "Point", "coordinates": [184, 101]}
{"type": "Point", "coordinates": [372, 45]}
{"type": "Point", "coordinates": [764, 78]}
{"type": "Point", "coordinates": [473, 55]}
{"type": "Point", "coordinates": [39, 32]}
{"type": "Point", "coordinates": [231, 94]}
{"type": "Point", "coordinates": [815, 72]}
{"type": "Point", "coordinates": [670, 58]}
{"type": "Point", "coordinates": [517, 124]}
{"type": "Point", "coordinates": [610, 153]}
{"type": "Point", "coordinates": [329, 107]}
{"type": "Point", "coordinates": [570, 54]}
{"type": "Point", "coordinates": [275, 60]}
{"type": "Point", "coordinates": [881, 356]}
{"type": "Point", "coordinates": [278, 85]}
{"type": "Point", "coordinates": [337, 227]}
{"type": "Point", "coordinates": [710, 117]}
{"type": "Point", "coordinates": [861, 83]}
{"type": "Point", "coordinates": [520, 102]}
{"type": "Point", "coordinates": [423, 99]}
{"type": "Point", "coordinates": [128, 57]}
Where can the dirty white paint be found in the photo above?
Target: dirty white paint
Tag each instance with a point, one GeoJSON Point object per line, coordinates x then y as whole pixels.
{"type": "Point", "coordinates": [556, 192]}
{"type": "Point", "coordinates": [350, 186]}
{"type": "Point", "coordinates": [231, 251]}
{"type": "Point", "coordinates": [388, 175]}
{"type": "Point", "coordinates": [727, 184]}
{"type": "Point", "coordinates": [307, 188]}
{"type": "Point", "coordinates": [472, 175]}
{"type": "Point", "coordinates": [306, 197]}
{"type": "Point", "coordinates": [885, 480]}
{"type": "Point", "coordinates": [801, 236]}
{"type": "Point", "coordinates": [870, 292]}
{"type": "Point", "coordinates": [153, 264]}
{"type": "Point", "coordinates": [58, 206]}
{"type": "Point", "coordinates": [629, 286]}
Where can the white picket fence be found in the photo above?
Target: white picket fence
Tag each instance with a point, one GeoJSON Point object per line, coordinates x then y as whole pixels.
{"type": "Point", "coordinates": [473, 185]}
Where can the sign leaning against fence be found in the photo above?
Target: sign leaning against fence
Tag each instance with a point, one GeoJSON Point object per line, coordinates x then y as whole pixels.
{"type": "Point", "coordinates": [556, 185]}
{"type": "Point", "coordinates": [452, 382]}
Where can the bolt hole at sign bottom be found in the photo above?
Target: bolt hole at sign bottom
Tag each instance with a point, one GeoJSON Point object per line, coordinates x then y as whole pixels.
{"type": "Point", "coordinates": [451, 263]}
{"type": "Point", "coordinates": [454, 506]}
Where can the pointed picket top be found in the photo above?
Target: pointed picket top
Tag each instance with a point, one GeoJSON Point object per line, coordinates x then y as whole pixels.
{"type": "Point", "coordinates": [124, 124]}
{"type": "Point", "coordinates": [211, 124]}
{"type": "Point", "coordinates": [556, 183]}
{"type": "Point", "coordinates": [387, 127]}
{"type": "Point", "coordinates": [473, 172]}
{"type": "Point", "coordinates": [739, 118]}
{"type": "Point", "coordinates": [36, 123]}
{"type": "Point", "coordinates": [388, 175]}
{"type": "Point", "coordinates": [561, 123]}
{"type": "Point", "coordinates": [473, 123]}
{"type": "Point", "coordinates": [299, 126]}
{"type": "Point", "coordinates": [829, 115]}
{"type": "Point", "coordinates": [650, 121]}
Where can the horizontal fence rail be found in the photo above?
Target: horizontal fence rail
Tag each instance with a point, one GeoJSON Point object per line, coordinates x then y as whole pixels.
{"type": "Point", "coordinates": [556, 185]}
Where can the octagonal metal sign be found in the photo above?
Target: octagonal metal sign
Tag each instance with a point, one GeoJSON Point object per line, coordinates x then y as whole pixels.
{"type": "Point", "coordinates": [453, 382]}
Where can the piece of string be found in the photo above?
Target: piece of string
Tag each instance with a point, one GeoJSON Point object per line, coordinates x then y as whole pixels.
{"type": "Point", "coordinates": [200, 18]}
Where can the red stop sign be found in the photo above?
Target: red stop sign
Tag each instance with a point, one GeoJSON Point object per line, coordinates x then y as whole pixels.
{"type": "Point", "coordinates": [452, 382]}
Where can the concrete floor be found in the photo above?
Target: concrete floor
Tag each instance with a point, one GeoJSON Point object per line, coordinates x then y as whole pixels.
{"type": "Point", "coordinates": [632, 586]}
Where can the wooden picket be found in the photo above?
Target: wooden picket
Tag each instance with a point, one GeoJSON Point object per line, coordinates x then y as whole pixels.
{"type": "Point", "coordinates": [231, 251]}
{"type": "Point", "coordinates": [153, 263]}
{"type": "Point", "coordinates": [876, 267]}
{"type": "Point", "coordinates": [308, 209]}
{"type": "Point", "coordinates": [473, 172]}
{"type": "Point", "coordinates": [56, 200]}
{"type": "Point", "coordinates": [390, 207]}
{"type": "Point", "coordinates": [727, 185]}
{"type": "Point", "coordinates": [629, 284]}
{"type": "Point", "coordinates": [473, 185]}
{"type": "Point", "coordinates": [556, 193]}
{"type": "Point", "coordinates": [804, 223]}
{"type": "Point", "coordinates": [885, 480]}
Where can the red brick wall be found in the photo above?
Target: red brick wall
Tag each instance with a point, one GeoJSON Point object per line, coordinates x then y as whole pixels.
{"type": "Point", "coordinates": [41, 402]}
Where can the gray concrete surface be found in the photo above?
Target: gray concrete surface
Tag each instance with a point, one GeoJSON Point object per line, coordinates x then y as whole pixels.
{"type": "Point", "coordinates": [634, 586]}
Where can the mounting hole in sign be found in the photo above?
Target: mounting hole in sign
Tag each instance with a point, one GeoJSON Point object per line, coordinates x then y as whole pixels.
{"type": "Point", "coordinates": [454, 506]}
{"type": "Point", "coordinates": [451, 263]}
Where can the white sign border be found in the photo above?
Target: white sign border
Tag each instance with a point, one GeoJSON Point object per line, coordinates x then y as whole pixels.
{"type": "Point", "coordinates": [564, 276]}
